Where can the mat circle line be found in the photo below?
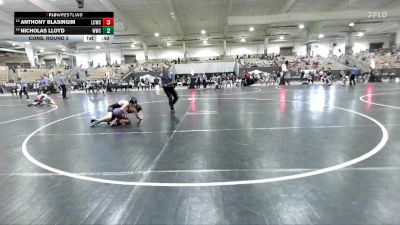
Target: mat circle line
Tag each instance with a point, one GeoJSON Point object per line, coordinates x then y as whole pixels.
{"type": "Point", "coordinates": [362, 98]}
{"type": "Point", "coordinates": [363, 157]}
{"type": "Point", "coordinates": [318, 90]}
{"type": "Point", "coordinates": [27, 117]}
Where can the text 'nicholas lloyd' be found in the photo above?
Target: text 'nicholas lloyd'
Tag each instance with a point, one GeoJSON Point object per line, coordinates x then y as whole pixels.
{"type": "Point", "coordinates": [42, 30]}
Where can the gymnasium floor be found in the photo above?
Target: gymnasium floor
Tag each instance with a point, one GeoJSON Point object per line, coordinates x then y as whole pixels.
{"type": "Point", "coordinates": [258, 155]}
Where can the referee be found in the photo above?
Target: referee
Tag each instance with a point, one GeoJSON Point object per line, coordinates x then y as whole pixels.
{"type": "Point", "coordinates": [168, 83]}
{"type": "Point", "coordinates": [353, 73]}
{"type": "Point", "coordinates": [63, 87]}
{"type": "Point", "coordinates": [22, 84]}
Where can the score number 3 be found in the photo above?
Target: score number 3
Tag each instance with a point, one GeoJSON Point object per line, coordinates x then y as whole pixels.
{"type": "Point", "coordinates": [108, 21]}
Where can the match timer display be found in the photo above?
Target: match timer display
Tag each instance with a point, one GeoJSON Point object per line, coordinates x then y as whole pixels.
{"type": "Point", "coordinates": [64, 26]}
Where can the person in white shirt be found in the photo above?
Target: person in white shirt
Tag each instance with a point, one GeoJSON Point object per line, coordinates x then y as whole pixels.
{"type": "Point", "coordinates": [372, 69]}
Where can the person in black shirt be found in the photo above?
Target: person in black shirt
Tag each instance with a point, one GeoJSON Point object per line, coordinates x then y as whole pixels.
{"type": "Point", "coordinates": [168, 83]}
{"type": "Point", "coordinates": [23, 85]}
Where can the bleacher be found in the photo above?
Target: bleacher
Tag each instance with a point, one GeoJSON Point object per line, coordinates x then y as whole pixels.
{"type": "Point", "coordinates": [56, 69]}
{"type": "Point", "coordinates": [330, 63]}
{"type": "Point", "coordinates": [387, 61]}
{"type": "Point", "coordinates": [99, 73]}
{"type": "Point", "coordinates": [382, 60]}
{"type": "Point", "coordinates": [15, 59]}
{"type": "Point", "coordinates": [3, 73]}
{"type": "Point", "coordinates": [31, 74]}
{"type": "Point", "coordinates": [255, 62]}
{"type": "Point", "coordinates": [124, 68]}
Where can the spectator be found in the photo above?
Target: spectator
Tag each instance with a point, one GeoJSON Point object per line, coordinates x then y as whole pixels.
{"type": "Point", "coordinates": [204, 78]}
{"type": "Point", "coordinates": [198, 81]}
{"type": "Point", "coordinates": [44, 84]}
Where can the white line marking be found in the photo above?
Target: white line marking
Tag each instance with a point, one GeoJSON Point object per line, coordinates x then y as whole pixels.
{"type": "Point", "coordinates": [243, 144]}
{"type": "Point", "coordinates": [146, 173]}
{"type": "Point", "coordinates": [131, 173]}
{"type": "Point", "coordinates": [263, 128]}
{"type": "Point", "coordinates": [215, 94]}
{"type": "Point", "coordinates": [375, 150]}
{"type": "Point", "coordinates": [116, 217]}
{"type": "Point", "coordinates": [329, 89]}
{"type": "Point", "coordinates": [26, 117]}
{"type": "Point", "coordinates": [141, 103]}
{"type": "Point", "coordinates": [243, 93]}
{"type": "Point", "coordinates": [10, 105]}
{"type": "Point", "coordinates": [205, 111]}
{"type": "Point", "coordinates": [103, 133]}
{"type": "Point", "coordinates": [78, 117]}
{"type": "Point", "coordinates": [202, 113]}
{"type": "Point", "coordinates": [153, 164]}
{"type": "Point", "coordinates": [203, 130]}
{"type": "Point", "coordinates": [362, 98]}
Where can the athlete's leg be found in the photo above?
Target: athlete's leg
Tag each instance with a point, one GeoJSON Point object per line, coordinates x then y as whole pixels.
{"type": "Point", "coordinates": [107, 118]}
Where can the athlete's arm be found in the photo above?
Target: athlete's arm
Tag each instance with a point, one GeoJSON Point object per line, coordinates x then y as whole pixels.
{"type": "Point", "coordinates": [124, 104]}
{"type": "Point", "coordinates": [133, 110]}
{"type": "Point", "coordinates": [137, 116]}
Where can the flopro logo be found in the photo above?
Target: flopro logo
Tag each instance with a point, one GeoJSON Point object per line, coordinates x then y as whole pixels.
{"type": "Point", "coordinates": [377, 14]}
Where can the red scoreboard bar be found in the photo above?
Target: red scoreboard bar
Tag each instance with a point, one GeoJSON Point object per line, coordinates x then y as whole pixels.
{"type": "Point", "coordinates": [108, 21]}
{"type": "Point", "coordinates": [64, 26]}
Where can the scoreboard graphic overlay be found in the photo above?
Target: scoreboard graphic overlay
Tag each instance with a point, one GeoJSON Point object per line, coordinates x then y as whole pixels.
{"type": "Point", "coordinates": [64, 26]}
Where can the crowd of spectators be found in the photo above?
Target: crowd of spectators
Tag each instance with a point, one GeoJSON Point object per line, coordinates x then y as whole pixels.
{"type": "Point", "coordinates": [157, 66]}
{"type": "Point", "coordinates": [201, 80]}
{"type": "Point", "coordinates": [381, 58]}
{"type": "Point", "coordinates": [297, 67]}
{"type": "Point", "coordinates": [44, 85]}
{"type": "Point", "coordinates": [295, 63]}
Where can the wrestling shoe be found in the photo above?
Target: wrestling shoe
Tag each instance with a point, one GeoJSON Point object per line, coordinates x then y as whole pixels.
{"type": "Point", "coordinates": [93, 123]}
